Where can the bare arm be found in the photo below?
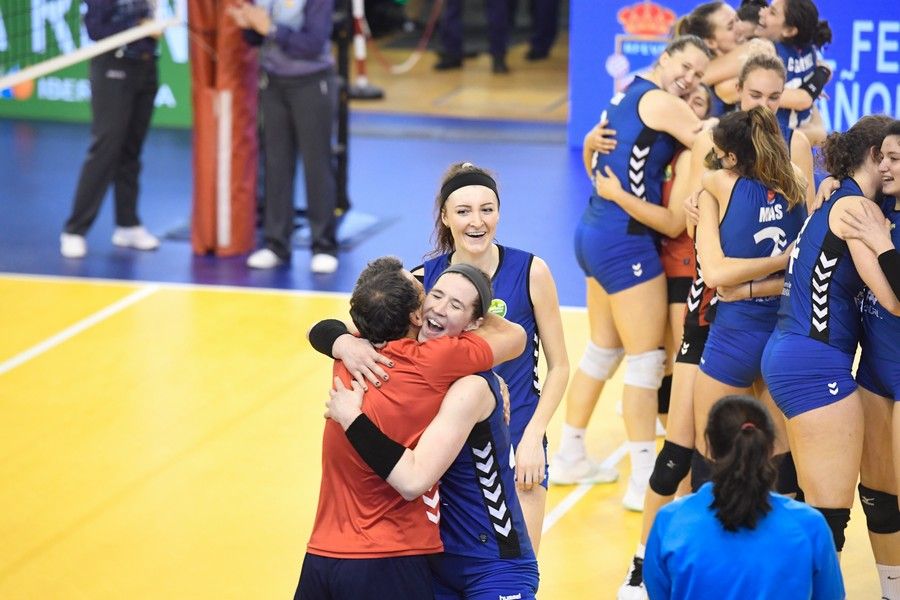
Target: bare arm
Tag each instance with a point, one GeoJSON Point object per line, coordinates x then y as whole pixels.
{"type": "Point", "coordinates": [771, 286]}
{"type": "Point", "coordinates": [814, 128]}
{"type": "Point", "coordinates": [598, 139]}
{"type": "Point", "coordinates": [467, 402]}
{"type": "Point", "coordinates": [664, 112]}
{"type": "Point", "coordinates": [729, 65]}
{"type": "Point", "coordinates": [727, 90]}
{"type": "Point", "coordinates": [530, 451]}
{"type": "Point", "coordinates": [668, 221]}
{"type": "Point", "coordinates": [699, 151]}
{"type": "Point", "coordinates": [506, 339]}
{"type": "Point", "coordinates": [801, 156]}
{"type": "Point", "coordinates": [719, 269]}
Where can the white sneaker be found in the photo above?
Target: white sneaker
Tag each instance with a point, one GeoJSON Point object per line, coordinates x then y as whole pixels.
{"type": "Point", "coordinates": [323, 263]}
{"type": "Point", "coordinates": [564, 472]}
{"type": "Point", "coordinates": [263, 259]}
{"type": "Point", "coordinates": [633, 586]}
{"type": "Point", "coordinates": [135, 237]}
{"type": "Point", "coordinates": [634, 496]}
{"type": "Point", "coordinates": [72, 245]}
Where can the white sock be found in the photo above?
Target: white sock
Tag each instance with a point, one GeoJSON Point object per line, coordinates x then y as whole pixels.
{"type": "Point", "coordinates": [643, 455]}
{"type": "Point", "coordinates": [640, 551]}
{"type": "Point", "coordinates": [890, 581]}
{"type": "Point", "coordinates": [571, 444]}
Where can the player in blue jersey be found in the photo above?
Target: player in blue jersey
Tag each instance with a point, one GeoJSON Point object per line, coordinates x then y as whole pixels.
{"type": "Point", "coordinates": [487, 549]}
{"type": "Point", "coordinates": [878, 377]}
{"type": "Point", "coordinates": [751, 210]}
{"type": "Point", "coordinates": [624, 274]}
{"type": "Point", "coordinates": [735, 538]}
{"type": "Point", "coordinates": [808, 359]}
{"type": "Point", "coordinates": [798, 34]}
{"type": "Point", "coordinates": [467, 210]}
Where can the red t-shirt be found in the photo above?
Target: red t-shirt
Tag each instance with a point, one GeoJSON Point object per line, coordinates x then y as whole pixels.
{"type": "Point", "coordinates": [676, 254]}
{"type": "Point", "coordinates": [359, 514]}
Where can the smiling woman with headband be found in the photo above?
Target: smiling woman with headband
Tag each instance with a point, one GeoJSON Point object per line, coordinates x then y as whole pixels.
{"type": "Point", "coordinates": [736, 538]}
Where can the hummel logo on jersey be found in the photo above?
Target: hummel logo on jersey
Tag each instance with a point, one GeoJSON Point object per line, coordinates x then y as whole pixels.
{"type": "Point", "coordinates": [670, 464]}
{"type": "Point", "coordinates": [637, 269]}
{"type": "Point", "coordinates": [770, 213]}
{"type": "Point", "coordinates": [512, 597]}
{"type": "Point", "coordinates": [867, 501]}
{"type": "Point", "coordinates": [684, 347]}
{"type": "Point", "coordinates": [833, 388]}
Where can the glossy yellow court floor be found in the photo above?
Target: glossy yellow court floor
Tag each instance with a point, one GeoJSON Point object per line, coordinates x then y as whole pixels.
{"type": "Point", "coordinates": [162, 441]}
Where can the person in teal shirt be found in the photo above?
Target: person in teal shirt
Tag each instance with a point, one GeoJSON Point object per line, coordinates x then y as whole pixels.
{"type": "Point", "coordinates": [735, 538]}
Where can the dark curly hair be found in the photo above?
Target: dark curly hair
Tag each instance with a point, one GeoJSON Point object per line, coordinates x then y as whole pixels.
{"type": "Point", "coordinates": [804, 15]}
{"type": "Point", "coordinates": [383, 299]}
{"type": "Point", "coordinates": [843, 153]}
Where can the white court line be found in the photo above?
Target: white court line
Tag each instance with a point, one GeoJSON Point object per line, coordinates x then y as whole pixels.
{"type": "Point", "coordinates": [75, 329]}
{"type": "Point", "coordinates": [578, 493]}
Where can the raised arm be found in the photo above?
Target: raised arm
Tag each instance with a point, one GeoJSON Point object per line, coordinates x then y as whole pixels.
{"type": "Point", "coordinates": [333, 338]}
{"type": "Point", "coordinates": [412, 472]}
{"type": "Point", "coordinates": [730, 64]}
{"type": "Point", "coordinates": [801, 156]}
{"type": "Point", "coordinates": [664, 112]}
{"type": "Point", "coordinates": [506, 339]}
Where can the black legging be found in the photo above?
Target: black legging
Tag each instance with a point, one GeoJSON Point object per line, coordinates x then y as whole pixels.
{"type": "Point", "coordinates": [890, 264]}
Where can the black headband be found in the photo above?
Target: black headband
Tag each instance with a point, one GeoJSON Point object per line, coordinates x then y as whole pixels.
{"type": "Point", "coordinates": [479, 280]}
{"type": "Point", "coordinates": [464, 178]}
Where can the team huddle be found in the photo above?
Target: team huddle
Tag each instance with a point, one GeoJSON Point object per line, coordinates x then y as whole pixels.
{"type": "Point", "coordinates": [735, 294]}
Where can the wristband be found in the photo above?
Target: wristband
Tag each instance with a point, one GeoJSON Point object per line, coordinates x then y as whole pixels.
{"type": "Point", "coordinates": [324, 333]}
{"type": "Point", "coordinates": [890, 264]}
{"type": "Point", "coordinates": [815, 81]}
{"type": "Point", "coordinates": [379, 451]}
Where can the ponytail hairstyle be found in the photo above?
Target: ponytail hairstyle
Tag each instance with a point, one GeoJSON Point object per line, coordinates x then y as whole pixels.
{"type": "Point", "coordinates": [843, 153]}
{"type": "Point", "coordinates": [759, 62]}
{"type": "Point", "coordinates": [740, 437]}
{"type": "Point", "coordinates": [804, 15]}
{"type": "Point", "coordinates": [441, 236]}
{"type": "Point", "coordinates": [697, 22]}
{"type": "Point", "coordinates": [755, 139]}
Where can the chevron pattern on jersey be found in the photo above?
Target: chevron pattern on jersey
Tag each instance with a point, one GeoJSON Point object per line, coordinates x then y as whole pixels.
{"type": "Point", "coordinates": [432, 500]}
{"type": "Point", "coordinates": [637, 170]}
{"type": "Point", "coordinates": [490, 482]}
{"type": "Point", "coordinates": [821, 281]}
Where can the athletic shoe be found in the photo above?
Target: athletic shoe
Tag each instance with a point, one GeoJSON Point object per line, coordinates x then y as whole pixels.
{"type": "Point", "coordinates": [633, 587]}
{"type": "Point", "coordinates": [263, 259]}
{"type": "Point", "coordinates": [135, 237]}
{"type": "Point", "coordinates": [584, 470]}
{"type": "Point", "coordinates": [72, 245]}
{"type": "Point", "coordinates": [323, 263]}
{"type": "Point", "coordinates": [634, 496]}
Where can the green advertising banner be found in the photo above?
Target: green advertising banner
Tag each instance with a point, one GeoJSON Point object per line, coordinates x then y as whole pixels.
{"type": "Point", "coordinates": [32, 31]}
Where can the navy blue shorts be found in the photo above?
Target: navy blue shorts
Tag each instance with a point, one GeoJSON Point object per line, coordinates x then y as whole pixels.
{"type": "Point", "coordinates": [733, 356]}
{"type": "Point", "coordinates": [463, 577]}
{"type": "Point", "coordinates": [616, 261]}
{"type": "Point", "coordinates": [879, 376]}
{"type": "Point", "coordinates": [325, 578]}
{"type": "Point", "coordinates": [804, 374]}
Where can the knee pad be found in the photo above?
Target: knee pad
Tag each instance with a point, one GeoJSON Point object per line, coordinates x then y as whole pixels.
{"type": "Point", "coordinates": [645, 370]}
{"type": "Point", "coordinates": [882, 513]}
{"type": "Point", "coordinates": [786, 482]}
{"type": "Point", "coordinates": [672, 465]}
{"type": "Point", "coordinates": [837, 519]}
{"type": "Point", "coordinates": [701, 471]}
{"type": "Point", "coordinates": [664, 395]}
{"type": "Point", "coordinates": [600, 363]}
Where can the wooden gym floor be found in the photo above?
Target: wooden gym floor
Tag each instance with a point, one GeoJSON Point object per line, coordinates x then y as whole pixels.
{"type": "Point", "coordinates": [163, 441]}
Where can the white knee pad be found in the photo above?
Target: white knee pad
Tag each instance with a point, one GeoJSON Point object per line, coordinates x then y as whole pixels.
{"type": "Point", "coordinates": [600, 363]}
{"type": "Point", "coordinates": [645, 370]}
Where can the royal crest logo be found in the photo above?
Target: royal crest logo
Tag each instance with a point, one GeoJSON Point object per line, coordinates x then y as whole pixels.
{"type": "Point", "coordinates": [647, 27]}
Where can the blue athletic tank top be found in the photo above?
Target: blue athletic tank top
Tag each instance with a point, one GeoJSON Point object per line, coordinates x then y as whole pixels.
{"type": "Point", "coordinates": [820, 290]}
{"type": "Point", "coordinates": [881, 329]}
{"type": "Point", "coordinates": [757, 223]}
{"type": "Point", "coordinates": [717, 106]}
{"type": "Point", "coordinates": [512, 301]}
{"type": "Point", "coordinates": [799, 63]}
{"type": "Point", "coordinates": [480, 512]}
{"type": "Point", "coordinates": [639, 160]}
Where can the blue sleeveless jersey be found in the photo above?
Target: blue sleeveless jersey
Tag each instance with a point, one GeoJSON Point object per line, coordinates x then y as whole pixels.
{"type": "Point", "coordinates": [820, 290]}
{"type": "Point", "coordinates": [757, 223]}
{"type": "Point", "coordinates": [480, 512]}
{"type": "Point", "coordinates": [799, 64]}
{"type": "Point", "coordinates": [881, 329]}
{"type": "Point", "coordinates": [512, 301]}
{"type": "Point", "coordinates": [639, 160]}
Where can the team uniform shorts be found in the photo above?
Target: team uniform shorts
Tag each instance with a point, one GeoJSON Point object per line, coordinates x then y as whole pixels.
{"type": "Point", "coordinates": [804, 374]}
{"type": "Point", "coordinates": [459, 577]}
{"type": "Point", "coordinates": [617, 261]}
{"type": "Point", "coordinates": [733, 356]}
{"type": "Point", "coordinates": [678, 288]}
{"type": "Point", "coordinates": [692, 344]}
{"type": "Point", "coordinates": [406, 577]}
{"type": "Point", "coordinates": [879, 376]}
